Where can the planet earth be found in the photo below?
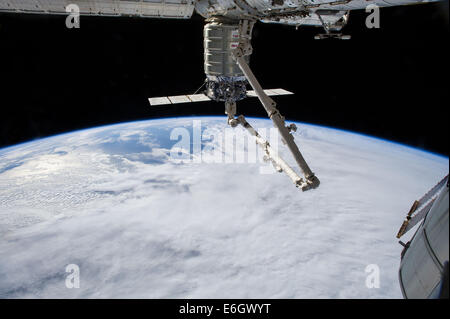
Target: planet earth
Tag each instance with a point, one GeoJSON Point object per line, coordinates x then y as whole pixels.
{"type": "Point", "coordinates": [148, 210]}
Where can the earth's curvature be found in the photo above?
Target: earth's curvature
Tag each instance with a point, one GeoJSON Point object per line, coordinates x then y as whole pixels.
{"type": "Point", "coordinates": [138, 224]}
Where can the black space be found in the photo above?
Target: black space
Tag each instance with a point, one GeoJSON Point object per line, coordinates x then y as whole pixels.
{"type": "Point", "coordinates": [390, 82]}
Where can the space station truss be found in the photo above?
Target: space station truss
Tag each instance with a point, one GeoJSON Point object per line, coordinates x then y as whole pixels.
{"type": "Point", "coordinates": [177, 9]}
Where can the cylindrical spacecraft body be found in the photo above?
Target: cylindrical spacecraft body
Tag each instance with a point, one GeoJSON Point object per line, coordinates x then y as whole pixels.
{"type": "Point", "coordinates": [224, 79]}
{"type": "Point", "coordinates": [424, 264]}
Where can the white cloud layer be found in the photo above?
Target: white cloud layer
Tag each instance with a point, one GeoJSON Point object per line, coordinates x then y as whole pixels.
{"type": "Point", "coordinates": [140, 226]}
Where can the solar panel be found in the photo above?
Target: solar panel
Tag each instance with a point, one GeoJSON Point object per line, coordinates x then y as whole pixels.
{"type": "Point", "coordinates": [270, 92]}
{"type": "Point", "coordinates": [198, 97]}
{"type": "Point", "coordinates": [159, 100]}
{"type": "Point", "coordinates": [164, 100]}
{"type": "Point", "coordinates": [281, 91]}
{"type": "Point", "coordinates": [251, 93]}
{"type": "Point", "coordinates": [179, 99]}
